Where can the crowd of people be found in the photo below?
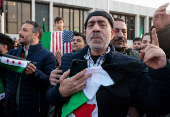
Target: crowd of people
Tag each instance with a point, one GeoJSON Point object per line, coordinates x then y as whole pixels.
{"type": "Point", "coordinates": [119, 80]}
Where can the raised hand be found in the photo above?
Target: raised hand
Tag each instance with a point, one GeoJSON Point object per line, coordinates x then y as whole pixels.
{"type": "Point", "coordinates": [58, 56]}
{"type": "Point", "coordinates": [161, 19]}
{"type": "Point", "coordinates": [153, 56]}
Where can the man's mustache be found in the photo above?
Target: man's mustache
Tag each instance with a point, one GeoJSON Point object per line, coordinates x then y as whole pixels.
{"type": "Point", "coordinates": [21, 36]}
{"type": "Point", "coordinates": [96, 34]}
{"type": "Point", "coordinates": [119, 39]}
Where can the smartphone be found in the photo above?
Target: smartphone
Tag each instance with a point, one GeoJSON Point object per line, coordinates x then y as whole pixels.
{"type": "Point", "coordinates": [77, 66]}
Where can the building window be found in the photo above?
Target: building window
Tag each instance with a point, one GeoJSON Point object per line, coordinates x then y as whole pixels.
{"type": "Point", "coordinates": [16, 13]}
{"type": "Point", "coordinates": [66, 18]}
{"type": "Point", "coordinates": [150, 22]}
{"type": "Point", "coordinates": [55, 14]}
{"type": "Point", "coordinates": [73, 18]}
{"type": "Point", "coordinates": [76, 20]}
{"type": "Point", "coordinates": [130, 23]}
{"type": "Point", "coordinates": [141, 20]}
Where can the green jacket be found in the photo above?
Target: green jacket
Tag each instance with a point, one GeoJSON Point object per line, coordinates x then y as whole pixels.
{"type": "Point", "coordinates": [131, 52]}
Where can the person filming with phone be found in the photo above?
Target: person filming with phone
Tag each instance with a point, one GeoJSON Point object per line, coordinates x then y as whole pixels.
{"type": "Point", "coordinates": [78, 42]}
{"type": "Point", "coordinates": [130, 82]}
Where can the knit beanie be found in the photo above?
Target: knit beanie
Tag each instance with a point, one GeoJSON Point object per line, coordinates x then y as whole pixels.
{"type": "Point", "coordinates": [100, 13]}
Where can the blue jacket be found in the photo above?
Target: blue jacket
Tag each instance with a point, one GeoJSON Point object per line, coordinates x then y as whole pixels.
{"type": "Point", "coordinates": [133, 86]}
{"type": "Point", "coordinates": [32, 96]}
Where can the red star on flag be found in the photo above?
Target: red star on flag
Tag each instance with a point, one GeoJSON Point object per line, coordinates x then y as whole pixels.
{"type": "Point", "coordinates": [2, 96]}
{"type": "Point", "coordinates": [13, 61]}
{"type": "Point", "coordinates": [19, 62]}
{"type": "Point", "coordinates": [7, 60]}
{"type": "Point", "coordinates": [85, 110]}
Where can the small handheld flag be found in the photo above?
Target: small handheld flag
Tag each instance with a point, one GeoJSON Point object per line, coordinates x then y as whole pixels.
{"type": "Point", "coordinates": [13, 63]}
{"type": "Point", "coordinates": [86, 98]}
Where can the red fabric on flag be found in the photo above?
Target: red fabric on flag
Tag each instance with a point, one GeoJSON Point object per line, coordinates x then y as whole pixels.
{"type": "Point", "coordinates": [59, 42]}
{"type": "Point", "coordinates": [19, 62]}
{"type": "Point", "coordinates": [7, 60]}
{"type": "Point", "coordinates": [0, 4]}
{"type": "Point", "coordinates": [52, 40]}
{"type": "Point", "coordinates": [85, 110]}
{"type": "Point", "coordinates": [13, 61]}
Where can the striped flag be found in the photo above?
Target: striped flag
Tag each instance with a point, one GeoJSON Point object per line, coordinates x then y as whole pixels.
{"type": "Point", "coordinates": [13, 63]}
{"type": "Point", "coordinates": [59, 40]}
{"type": "Point", "coordinates": [84, 104]}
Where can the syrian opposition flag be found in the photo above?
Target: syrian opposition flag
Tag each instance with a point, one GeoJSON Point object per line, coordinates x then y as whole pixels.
{"type": "Point", "coordinates": [83, 103]}
{"type": "Point", "coordinates": [13, 63]}
{"type": "Point", "coordinates": [59, 40]}
{"type": "Point", "coordinates": [2, 93]}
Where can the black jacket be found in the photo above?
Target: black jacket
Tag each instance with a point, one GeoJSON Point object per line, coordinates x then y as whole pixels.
{"type": "Point", "coordinates": [133, 86]}
{"type": "Point", "coordinates": [32, 96]}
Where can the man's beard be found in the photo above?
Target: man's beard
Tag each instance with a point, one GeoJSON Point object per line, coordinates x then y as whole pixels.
{"type": "Point", "coordinates": [118, 47]}
{"type": "Point", "coordinates": [96, 48]}
{"type": "Point", "coordinates": [119, 39]}
{"type": "Point", "coordinates": [21, 36]}
{"type": "Point", "coordinates": [27, 40]}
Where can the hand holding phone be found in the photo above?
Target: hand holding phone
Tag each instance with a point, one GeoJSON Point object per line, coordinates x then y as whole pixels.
{"type": "Point", "coordinates": [70, 86]}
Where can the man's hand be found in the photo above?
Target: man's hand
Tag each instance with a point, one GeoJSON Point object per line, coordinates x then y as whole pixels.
{"type": "Point", "coordinates": [58, 56]}
{"type": "Point", "coordinates": [69, 86]}
{"type": "Point", "coordinates": [161, 19]}
{"type": "Point", "coordinates": [30, 69]}
{"type": "Point", "coordinates": [153, 56]}
{"type": "Point", "coordinates": [55, 76]}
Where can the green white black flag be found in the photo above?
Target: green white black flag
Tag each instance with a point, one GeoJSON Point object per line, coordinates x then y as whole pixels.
{"type": "Point", "coordinates": [84, 102]}
{"type": "Point", "coordinates": [13, 63]}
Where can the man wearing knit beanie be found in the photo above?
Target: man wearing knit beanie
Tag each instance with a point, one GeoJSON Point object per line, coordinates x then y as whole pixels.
{"type": "Point", "coordinates": [112, 82]}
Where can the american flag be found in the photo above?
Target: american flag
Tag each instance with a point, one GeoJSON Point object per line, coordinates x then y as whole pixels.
{"type": "Point", "coordinates": [61, 40]}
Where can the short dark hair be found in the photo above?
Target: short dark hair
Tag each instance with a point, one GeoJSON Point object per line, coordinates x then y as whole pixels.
{"type": "Point", "coordinates": [6, 40]}
{"type": "Point", "coordinates": [145, 34]}
{"type": "Point", "coordinates": [137, 39]}
{"type": "Point", "coordinates": [36, 28]}
{"type": "Point", "coordinates": [58, 19]}
{"type": "Point", "coordinates": [80, 34]}
{"type": "Point", "coordinates": [119, 19]}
